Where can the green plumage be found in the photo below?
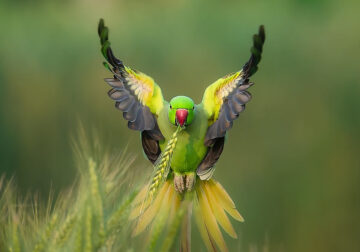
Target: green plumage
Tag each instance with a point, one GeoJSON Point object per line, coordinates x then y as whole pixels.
{"type": "Point", "coordinates": [200, 142]}
{"type": "Point", "coordinates": [190, 149]}
{"type": "Point", "coordinates": [183, 141]}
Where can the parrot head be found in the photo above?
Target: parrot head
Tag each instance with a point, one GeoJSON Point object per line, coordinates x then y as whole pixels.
{"type": "Point", "coordinates": [181, 110]}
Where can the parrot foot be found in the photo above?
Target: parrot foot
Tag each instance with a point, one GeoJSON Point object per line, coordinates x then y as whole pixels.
{"type": "Point", "coordinates": [184, 182]}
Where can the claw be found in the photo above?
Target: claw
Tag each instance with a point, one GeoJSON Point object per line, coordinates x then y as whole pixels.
{"type": "Point", "coordinates": [184, 183]}
{"type": "Point", "coordinates": [179, 183]}
{"type": "Point", "coordinates": [190, 181]}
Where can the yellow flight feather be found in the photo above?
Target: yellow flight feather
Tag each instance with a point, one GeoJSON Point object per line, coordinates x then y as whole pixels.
{"type": "Point", "coordinates": [141, 195]}
{"type": "Point", "coordinates": [175, 206]}
{"type": "Point", "coordinates": [217, 92]}
{"type": "Point", "coordinates": [145, 89]}
{"type": "Point", "coordinates": [163, 212]}
{"type": "Point", "coordinates": [152, 210]}
{"type": "Point", "coordinates": [139, 203]}
{"type": "Point", "coordinates": [199, 218]}
{"type": "Point", "coordinates": [167, 201]}
{"type": "Point", "coordinates": [225, 200]}
{"type": "Point", "coordinates": [210, 201]}
{"type": "Point", "coordinates": [210, 221]}
{"type": "Point", "coordinates": [218, 210]}
{"type": "Point", "coordinates": [185, 235]}
{"type": "Point", "coordinates": [139, 209]}
{"type": "Point", "coordinates": [140, 83]}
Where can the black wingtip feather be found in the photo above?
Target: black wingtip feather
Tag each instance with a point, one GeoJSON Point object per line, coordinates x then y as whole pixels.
{"type": "Point", "coordinates": [258, 41]}
{"type": "Point", "coordinates": [139, 116]}
{"type": "Point", "coordinates": [106, 50]}
{"type": "Point", "coordinates": [262, 32]}
{"type": "Point", "coordinates": [101, 26]}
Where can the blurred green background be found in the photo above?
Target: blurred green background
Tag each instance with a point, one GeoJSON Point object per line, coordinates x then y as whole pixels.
{"type": "Point", "coordinates": [292, 159]}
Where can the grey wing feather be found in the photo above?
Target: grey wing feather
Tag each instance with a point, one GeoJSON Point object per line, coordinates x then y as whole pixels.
{"type": "Point", "coordinates": [207, 166]}
{"type": "Point", "coordinates": [235, 102]}
{"type": "Point", "coordinates": [139, 116]}
{"type": "Point", "coordinates": [150, 146]}
{"type": "Point", "coordinates": [233, 105]}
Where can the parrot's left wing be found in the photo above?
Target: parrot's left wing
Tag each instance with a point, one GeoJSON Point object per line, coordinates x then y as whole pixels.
{"type": "Point", "coordinates": [223, 101]}
{"type": "Point", "coordinates": [135, 93]}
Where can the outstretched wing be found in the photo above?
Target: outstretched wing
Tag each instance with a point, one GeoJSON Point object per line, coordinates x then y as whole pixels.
{"type": "Point", "coordinates": [226, 98]}
{"type": "Point", "coordinates": [134, 93]}
{"type": "Point", "coordinates": [223, 101]}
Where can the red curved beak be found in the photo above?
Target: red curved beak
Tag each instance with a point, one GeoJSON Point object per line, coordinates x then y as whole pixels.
{"type": "Point", "coordinates": [181, 115]}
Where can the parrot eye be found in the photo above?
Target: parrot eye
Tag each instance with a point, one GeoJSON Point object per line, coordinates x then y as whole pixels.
{"type": "Point", "coordinates": [170, 106]}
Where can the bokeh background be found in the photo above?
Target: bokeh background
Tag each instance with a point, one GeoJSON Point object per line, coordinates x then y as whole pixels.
{"type": "Point", "coordinates": [292, 159]}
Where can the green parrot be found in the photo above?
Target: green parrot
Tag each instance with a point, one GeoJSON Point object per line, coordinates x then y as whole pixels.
{"type": "Point", "coordinates": [188, 137]}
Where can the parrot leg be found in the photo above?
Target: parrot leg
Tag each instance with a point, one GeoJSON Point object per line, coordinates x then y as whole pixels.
{"type": "Point", "coordinates": [184, 182]}
{"type": "Point", "coordinates": [190, 181]}
{"type": "Point", "coordinates": [179, 183]}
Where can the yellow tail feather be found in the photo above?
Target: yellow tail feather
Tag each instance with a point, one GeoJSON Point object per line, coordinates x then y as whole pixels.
{"type": "Point", "coordinates": [210, 220]}
{"type": "Point", "coordinates": [219, 212]}
{"type": "Point", "coordinates": [199, 218]}
{"type": "Point", "coordinates": [140, 196]}
{"type": "Point", "coordinates": [225, 200]}
{"type": "Point", "coordinates": [209, 202]}
{"type": "Point", "coordinates": [149, 214]}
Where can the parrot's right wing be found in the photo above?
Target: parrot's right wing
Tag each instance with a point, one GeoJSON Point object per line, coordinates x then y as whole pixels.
{"type": "Point", "coordinates": [136, 95]}
{"type": "Point", "coordinates": [223, 101]}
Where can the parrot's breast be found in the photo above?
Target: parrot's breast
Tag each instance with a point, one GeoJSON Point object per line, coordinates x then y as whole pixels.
{"type": "Point", "coordinates": [190, 149]}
